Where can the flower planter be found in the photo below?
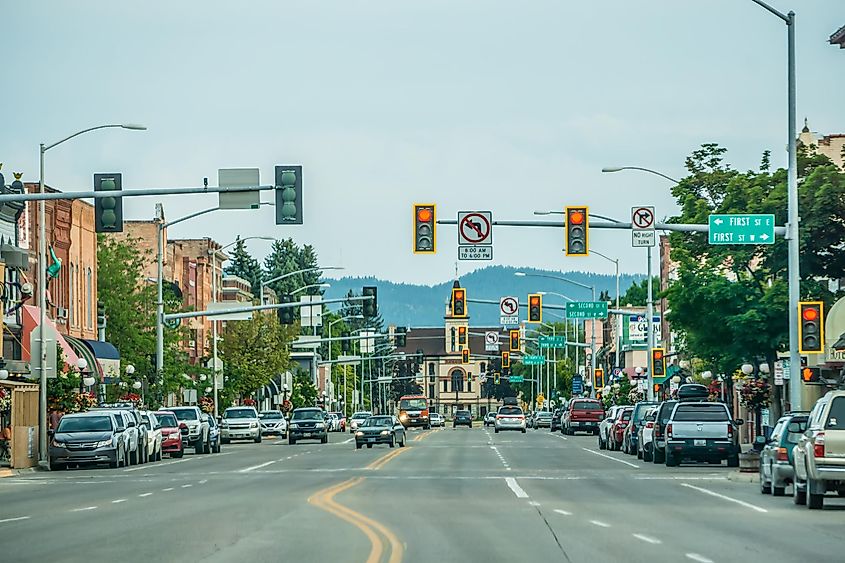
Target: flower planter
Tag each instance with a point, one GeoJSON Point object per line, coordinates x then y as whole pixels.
{"type": "Point", "coordinates": [749, 462]}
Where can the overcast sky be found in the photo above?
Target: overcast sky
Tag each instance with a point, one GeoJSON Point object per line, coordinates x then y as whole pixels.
{"type": "Point", "coordinates": [472, 105]}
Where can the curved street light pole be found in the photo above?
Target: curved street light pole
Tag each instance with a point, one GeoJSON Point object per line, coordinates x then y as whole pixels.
{"type": "Point", "coordinates": [42, 283]}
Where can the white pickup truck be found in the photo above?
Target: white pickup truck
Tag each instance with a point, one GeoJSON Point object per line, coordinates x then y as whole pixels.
{"type": "Point", "coordinates": [702, 431]}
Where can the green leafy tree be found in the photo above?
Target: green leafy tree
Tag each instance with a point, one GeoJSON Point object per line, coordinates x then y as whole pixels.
{"type": "Point", "coordinates": [637, 293]}
{"type": "Point", "coordinates": [304, 393]}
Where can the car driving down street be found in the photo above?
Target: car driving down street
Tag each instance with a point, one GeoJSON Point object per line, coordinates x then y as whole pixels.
{"type": "Point", "coordinates": [380, 430]}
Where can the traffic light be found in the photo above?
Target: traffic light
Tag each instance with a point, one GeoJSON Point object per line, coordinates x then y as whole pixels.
{"type": "Point", "coordinates": [424, 228]}
{"type": "Point", "coordinates": [462, 336]}
{"type": "Point", "coordinates": [465, 356]}
{"type": "Point", "coordinates": [506, 360]}
{"type": "Point", "coordinates": [459, 302]}
{"type": "Point", "coordinates": [535, 308]}
{"type": "Point", "coordinates": [286, 314]}
{"type": "Point", "coordinates": [656, 389]}
{"type": "Point", "coordinates": [399, 336]}
{"type": "Point", "coordinates": [810, 375]}
{"type": "Point", "coordinates": [514, 340]}
{"type": "Point", "coordinates": [288, 195]}
{"type": "Point", "coordinates": [598, 378]}
{"type": "Point", "coordinates": [811, 327]}
{"type": "Point", "coordinates": [108, 211]}
{"type": "Point", "coordinates": [101, 315]}
{"type": "Point", "coordinates": [577, 231]}
{"type": "Point", "coordinates": [658, 362]}
{"type": "Point", "coordinates": [496, 378]}
{"type": "Point", "coordinates": [370, 306]}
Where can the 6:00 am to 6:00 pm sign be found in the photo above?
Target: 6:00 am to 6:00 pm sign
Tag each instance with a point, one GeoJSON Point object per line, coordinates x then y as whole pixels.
{"type": "Point", "coordinates": [475, 252]}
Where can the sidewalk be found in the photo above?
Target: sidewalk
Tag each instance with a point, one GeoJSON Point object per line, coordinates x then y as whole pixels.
{"type": "Point", "coordinates": [8, 472]}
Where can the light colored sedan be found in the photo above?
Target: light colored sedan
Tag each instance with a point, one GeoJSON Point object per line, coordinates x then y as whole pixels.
{"type": "Point", "coordinates": [154, 437]}
{"type": "Point", "coordinates": [646, 435]}
{"type": "Point", "coordinates": [436, 419]}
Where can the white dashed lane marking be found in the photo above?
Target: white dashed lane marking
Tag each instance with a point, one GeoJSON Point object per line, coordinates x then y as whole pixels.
{"type": "Point", "coordinates": [647, 539]}
{"type": "Point", "coordinates": [16, 519]}
{"type": "Point", "coordinates": [724, 497]}
{"type": "Point", "coordinates": [514, 486]}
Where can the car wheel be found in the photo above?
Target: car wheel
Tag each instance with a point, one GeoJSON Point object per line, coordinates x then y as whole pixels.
{"type": "Point", "coordinates": [224, 440]}
{"type": "Point", "coordinates": [799, 492]}
{"type": "Point", "coordinates": [672, 460]}
{"type": "Point", "coordinates": [733, 461]}
{"type": "Point", "coordinates": [57, 466]}
{"type": "Point", "coordinates": [815, 501]}
{"type": "Point", "coordinates": [778, 491]}
{"type": "Point", "coordinates": [358, 445]}
{"type": "Point", "coordinates": [198, 447]}
{"type": "Point", "coordinates": [639, 453]}
{"type": "Point", "coordinates": [133, 457]}
{"type": "Point", "coordinates": [765, 486]}
{"type": "Point", "coordinates": [178, 454]}
{"type": "Point", "coordinates": [402, 443]}
{"type": "Point", "coordinates": [369, 446]}
{"type": "Point", "coordinates": [257, 439]}
{"type": "Point", "coordinates": [391, 443]}
{"type": "Point", "coordinates": [523, 430]}
{"type": "Point", "coordinates": [646, 454]}
{"type": "Point", "coordinates": [601, 444]}
{"type": "Point", "coordinates": [325, 439]}
{"type": "Point", "coordinates": [497, 430]}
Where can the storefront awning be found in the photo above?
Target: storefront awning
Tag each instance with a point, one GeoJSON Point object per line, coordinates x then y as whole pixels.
{"type": "Point", "coordinates": [30, 317]}
{"type": "Point", "coordinates": [101, 354]}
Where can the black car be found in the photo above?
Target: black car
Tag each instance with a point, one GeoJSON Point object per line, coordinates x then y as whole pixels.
{"type": "Point", "coordinates": [308, 424]}
{"type": "Point", "coordinates": [556, 420]}
{"type": "Point", "coordinates": [380, 430]}
{"type": "Point", "coordinates": [462, 418]}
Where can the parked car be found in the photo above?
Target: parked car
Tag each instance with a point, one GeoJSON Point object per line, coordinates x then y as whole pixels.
{"type": "Point", "coordinates": [273, 423]}
{"type": "Point", "coordinates": [437, 419]}
{"type": "Point", "coordinates": [339, 422]}
{"type": "Point", "coordinates": [462, 418]}
{"type": "Point", "coordinates": [543, 419]}
{"type": "Point", "coordinates": [171, 435]}
{"type": "Point", "coordinates": [645, 435]}
{"type": "Point", "coordinates": [606, 423]}
{"type": "Point", "coordinates": [89, 438]}
{"type": "Point", "coordinates": [241, 423]}
{"type": "Point", "coordinates": [357, 419]}
{"type": "Point", "coordinates": [153, 432]}
{"type": "Point", "coordinates": [380, 429]}
{"type": "Point", "coordinates": [776, 471]}
{"type": "Point", "coordinates": [617, 428]}
{"type": "Point", "coordinates": [658, 443]}
{"type": "Point", "coordinates": [136, 433]}
{"type": "Point", "coordinates": [307, 424]}
{"type": "Point", "coordinates": [555, 423]}
{"type": "Point", "coordinates": [510, 418]}
{"type": "Point", "coordinates": [490, 419]}
{"type": "Point", "coordinates": [194, 428]}
{"type": "Point", "coordinates": [630, 438]}
{"type": "Point", "coordinates": [582, 415]}
{"type": "Point", "coordinates": [214, 434]}
{"type": "Point", "coordinates": [702, 431]}
{"type": "Point", "coordinates": [820, 453]}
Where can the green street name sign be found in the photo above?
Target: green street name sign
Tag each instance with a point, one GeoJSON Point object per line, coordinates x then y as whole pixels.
{"type": "Point", "coordinates": [516, 379]}
{"type": "Point", "coordinates": [586, 310]}
{"type": "Point", "coordinates": [533, 360]}
{"type": "Point", "coordinates": [551, 341]}
{"type": "Point", "coordinates": [742, 228]}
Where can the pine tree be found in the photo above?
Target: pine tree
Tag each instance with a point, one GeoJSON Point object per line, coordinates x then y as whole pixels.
{"type": "Point", "coordinates": [243, 265]}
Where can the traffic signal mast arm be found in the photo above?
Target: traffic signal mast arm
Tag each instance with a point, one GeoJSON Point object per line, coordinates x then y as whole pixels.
{"type": "Point", "coordinates": [132, 193]}
{"type": "Point", "coordinates": [216, 313]}
{"type": "Point", "coordinates": [677, 227]}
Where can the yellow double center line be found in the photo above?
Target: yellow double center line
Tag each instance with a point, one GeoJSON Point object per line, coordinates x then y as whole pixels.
{"type": "Point", "coordinates": [374, 530]}
{"type": "Point", "coordinates": [424, 435]}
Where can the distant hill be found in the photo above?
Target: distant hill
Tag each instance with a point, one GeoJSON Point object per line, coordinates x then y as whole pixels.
{"type": "Point", "coordinates": [422, 305]}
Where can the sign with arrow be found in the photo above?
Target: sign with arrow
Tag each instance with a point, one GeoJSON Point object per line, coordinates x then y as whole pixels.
{"type": "Point", "coordinates": [475, 235]}
{"type": "Point", "coordinates": [509, 311]}
{"type": "Point", "coordinates": [491, 341]}
{"type": "Point", "coordinates": [742, 228]}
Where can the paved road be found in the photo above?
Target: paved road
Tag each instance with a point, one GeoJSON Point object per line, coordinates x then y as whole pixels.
{"type": "Point", "coordinates": [451, 495]}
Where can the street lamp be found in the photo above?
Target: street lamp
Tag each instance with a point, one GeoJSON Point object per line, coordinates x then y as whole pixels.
{"type": "Point", "coordinates": [311, 286]}
{"type": "Point", "coordinates": [42, 281]}
{"type": "Point", "coordinates": [289, 274]}
{"type": "Point", "coordinates": [707, 374]}
{"type": "Point", "coordinates": [747, 369]}
{"type": "Point", "coordinates": [331, 366]}
{"type": "Point", "coordinates": [4, 374]}
{"type": "Point", "coordinates": [82, 365]}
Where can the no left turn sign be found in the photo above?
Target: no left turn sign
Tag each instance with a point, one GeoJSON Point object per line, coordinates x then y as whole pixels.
{"type": "Point", "coordinates": [475, 228]}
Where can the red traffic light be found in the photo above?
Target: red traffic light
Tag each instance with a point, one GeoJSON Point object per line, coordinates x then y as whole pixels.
{"type": "Point", "coordinates": [658, 354]}
{"type": "Point", "coordinates": [424, 214]}
{"type": "Point", "coordinates": [810, 313]}
{"type": "Point", "coordinates": [576, 216]}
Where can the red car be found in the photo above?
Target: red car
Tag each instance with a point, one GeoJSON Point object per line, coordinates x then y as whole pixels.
{"type": "Point", "coordinates": [171, 434]}
{"type": "Point", "coordinates": [617, 429]}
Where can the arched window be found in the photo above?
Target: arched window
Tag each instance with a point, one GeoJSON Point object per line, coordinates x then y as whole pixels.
{"type": "Point", "coordinates": [71, 306]}
{"type": "Point", "coordinates": [89, 297]}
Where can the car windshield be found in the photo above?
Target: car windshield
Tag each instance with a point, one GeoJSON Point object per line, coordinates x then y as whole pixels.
{"type": "Point", "coordinates": [167, 420]}
{"type": "Point", "coordinates": [510, 410]}
{"type": "Point", "coordinates": [406, 404]}
{"type": "Point", "coordinates": [586, 405]}
{"type": "Point", "coordinates": [836, 415]}
{"type": "Point", "coordinates": [641, 410]}
{"type": "Point", "coordinates": [85, 424]}
{"type": "Point", "coordinates": [378, 421]}
{"type": "Point", "coordinates": [185, 414]}
{"type": "Point", "coordinates": [239, 413]}
{"type": "Point", "coordinates": [271, 415]}
{"type": "Point", "coordinates": [701, 412]}
{"type": "Point", "coordinates": [795, 429]}
{"type": "Point", "coordinates": [665, 411]}
{"type": "Point", "coordinates": [626, 415]}
{"type": "Point", "coordinates": [361, 415]}
{"type": "Point", "coordinates": [307, 415]}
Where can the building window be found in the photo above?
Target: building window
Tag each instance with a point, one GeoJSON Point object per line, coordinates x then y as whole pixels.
{"type": "Point", "coordinates": [72, 291]}
{"type": "Point", "coordinates": [445, 385]}
{"type": "Point", "coordinates": [469, 382]}
{"type": "Point", "coordinates": [431, 391]}
{"type": "Point", "coordinates": [89, 297]}
{"type": "Point", "coordinates": [453, 340]}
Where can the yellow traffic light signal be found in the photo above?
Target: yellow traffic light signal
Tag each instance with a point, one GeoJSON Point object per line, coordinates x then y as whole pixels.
{"type": "Point", "coordinates": [811, 327]}
{"type": "Point", "coordinates": [424, 228]}
{"type": "Point", "coordinates": [598, 378]}
{"type": "Point", "coordinates": [535, 308]}
{"type": "Point", "coordinates": [465, 356]}
{"type": "Point", "coordinates": [459, 302]}
{"type": "Point", "coordinates": [506, 360]}
{"type": "Point", "coordinates": [514, 340]}
{"type": "Point", "coordinates": [658, 362]}
{"type": "Point", "coordinates": [577, 231]}
{"type": "Point", "coordinates": [462, 336]}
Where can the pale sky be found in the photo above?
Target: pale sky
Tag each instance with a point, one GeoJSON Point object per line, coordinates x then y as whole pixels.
{"type": "Point", "coordinates": [472, 105]}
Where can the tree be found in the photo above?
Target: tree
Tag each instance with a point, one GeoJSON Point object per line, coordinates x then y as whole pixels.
{"type": "Point", "coordinates": [637, 293]}
{"type": "Point", "coordinates": [242, 264]}
{"type": "Point", "coordinates": [303, 394]}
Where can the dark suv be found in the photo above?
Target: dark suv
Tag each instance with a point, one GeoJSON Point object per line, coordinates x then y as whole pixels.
{"type": "Point", "coordinates": [462, 418]}
{"type": "Point", "coordinates": [664, 411]}
{"type": "Point", "coordinates": [308, 424]}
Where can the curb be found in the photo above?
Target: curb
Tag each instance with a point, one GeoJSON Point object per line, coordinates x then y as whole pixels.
{"type": "Point", "coordinates": [6, 472]}
{"type": "Point", "coordinates": [740, 477]}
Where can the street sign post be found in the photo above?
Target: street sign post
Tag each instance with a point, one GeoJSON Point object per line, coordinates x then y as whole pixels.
{"type": "Point", "coordinates": [742, 228]}
{"type": "Point", "coordinates": [475, 235]}
{"type": "Point", "coordinates": [546, 341]}
{"type": "Point", "coordinates": [642, 226]}
{"type": "Point", "coordinates": [533, 360]}
{"type": "Point", "coordinates": [509, 311]}
{"type": "Point", "coordinates": [586, 310]}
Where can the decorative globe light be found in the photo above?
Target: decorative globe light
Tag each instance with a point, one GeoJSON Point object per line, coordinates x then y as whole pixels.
{"type": "Point", "coordinates": [676, 379]}
{"type": "Point", "coordinates": [88, 381]}
{"type": "Point", "coordinates": [208, 389]}
{"type": "Point", "coordinates": [638, 370]}
{"type": "Point", "coordinates": [130, 369]}
{"type": "Point", "coordinates": [4, 374]}
{"type": "Point", "coordinates": [684, 364]}
{"type": "Point", "coordinates": [707, 374]}
{"type": "Point", "coordinates": [764, 367]}
{"type": "Point", "coordinates": [82, 364]}
{"type": "Point", "coordinates": [136, 385]}
{"type": "Point", "coordinates": [203, 377]}
{"type": "Point", "coordinates": [747, 369]}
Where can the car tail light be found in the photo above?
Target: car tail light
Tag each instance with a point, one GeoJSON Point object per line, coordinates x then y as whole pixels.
{"type": "Point", "coordinates": [657, 431]}
{"type": "Point", "coordinates": [818, 445]}
{"type": "Point", "coordinates": [730, 430]}
{"type": "Point", "coordinates": [782, 455]}
{"type": "Point", "coordinates": [669, 430]}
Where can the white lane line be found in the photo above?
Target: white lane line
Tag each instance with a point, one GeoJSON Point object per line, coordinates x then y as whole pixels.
{"type": "Point", "coordinates": [724, 497]}
{"type": "Point", "coordinates": [167, 490]}
{"type": "Point", "coordinates": [118, 501]}
{"type": "Point", "coordinates": [699, 558]}
{"type": "Point", "coordinates": [347, 441]}
{"type": "Point", "coordinates": [18, 519]}
{"type": "Point", "coordinates": [186, 486]}
{"type": "Point", "coordinates": [629, 464]}
{"type": "Point", "coordinates": [514, 486]}
{"type": "Point", "coordinates": [142, 495]}
{"type": "Point", "coordinates": [647, 539]}
{"type": "Point", "coordinates": [83, 509]}
{"type": "Point", "coordinates": [534, 503]}
{"type": "Point", "coordinates": [259, 466]}
{"type": "Point", "coordinates": [204, 481]}
{"type": "Point", "coordinates": [153, 466]}
{"type": "Point", "coordinates": [600, 524]}
{"type": "Point", "coordinates": [563, 512]}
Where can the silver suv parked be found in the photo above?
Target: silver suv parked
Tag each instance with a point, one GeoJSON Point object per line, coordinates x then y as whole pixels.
{"type": "Point", "coordinates": [195, 431]}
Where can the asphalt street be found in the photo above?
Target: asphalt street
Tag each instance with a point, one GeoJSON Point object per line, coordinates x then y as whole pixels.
{"type": "Point", "coordinates": [451, 495]}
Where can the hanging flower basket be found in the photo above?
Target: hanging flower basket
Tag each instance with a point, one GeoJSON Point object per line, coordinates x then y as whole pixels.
{"type": "Point", "coordinates": [755, 394]}
{"type": "Point", "coordinates": [714, 391]}
{"type": "Point", "coordinates": [249, 402]}
{"type": "Point", "coordinates": [206, 404]}
{"type": "Point", "coordinates": [85, 401]}
{"type": "Point", "coordinates": [5, 400]}
{"type": "Point", "coordinates": [130, 398]}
